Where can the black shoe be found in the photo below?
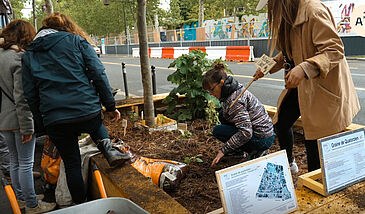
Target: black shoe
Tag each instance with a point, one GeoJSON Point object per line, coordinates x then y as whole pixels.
{"type": "Point", "coordinates": [256, 154]}
{"type": "Point", "coordinates": [114, 156]}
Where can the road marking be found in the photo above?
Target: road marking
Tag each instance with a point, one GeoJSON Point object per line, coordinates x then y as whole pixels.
{"type": "Point", "coordinates": [281, 80]}
{"type": "Point", "coordinates": [134, 65]}
{"type": "Point", "coordinates": [235, 75]}
{"type": "Point", "coordinates": [354, 68]}
{"type": "Point", "coordinates": [264, 78]}
{"type": "Point", "coordinates": [361, 75]}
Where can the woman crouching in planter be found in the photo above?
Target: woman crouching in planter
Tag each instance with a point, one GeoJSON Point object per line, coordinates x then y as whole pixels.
{"type": "Point", "coordinates": [246, 127]}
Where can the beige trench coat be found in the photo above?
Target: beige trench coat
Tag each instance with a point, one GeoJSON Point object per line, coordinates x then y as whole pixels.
{"type": "Point", "coordinates": [327, 98]}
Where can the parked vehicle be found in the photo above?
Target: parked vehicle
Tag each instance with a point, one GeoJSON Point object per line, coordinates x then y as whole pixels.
{"type": "Point", "coordinates": [97, 50]}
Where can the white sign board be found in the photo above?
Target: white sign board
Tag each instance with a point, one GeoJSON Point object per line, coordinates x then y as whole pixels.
{"type": "Point", "coordinates": [342, 159]}
{"type": "Point", "coordinates": [262, 185]}
{"type": "Point", "coordinates": [265, 64]}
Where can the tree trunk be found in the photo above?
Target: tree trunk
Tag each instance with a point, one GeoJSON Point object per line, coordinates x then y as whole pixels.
{"type": "Point", "coordinates": [34, 15]}
{"type": "Point", "coordinates": [145, 63]}
{"type": "Point", "coordinates": [49, 6]}
{"type": "Point", "coordinates": [201, 13]}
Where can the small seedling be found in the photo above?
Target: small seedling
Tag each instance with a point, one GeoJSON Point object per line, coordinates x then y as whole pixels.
{"type": "Point", "coordinates": [196, 159]}
{"type": "Point", "coordinates": [185, 134]}
{"type": "Point", "coordinates": [133, 116]}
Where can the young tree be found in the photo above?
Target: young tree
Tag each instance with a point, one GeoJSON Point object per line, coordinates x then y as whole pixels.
{"type": "Point", "coordinates": [49, 6]}
{"type": "Point", "coordinates": [145, 63]}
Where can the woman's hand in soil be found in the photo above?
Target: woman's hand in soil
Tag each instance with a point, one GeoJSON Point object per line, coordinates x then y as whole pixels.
{"type": "Point", "coordinates": [294, 77]}
{"type": "Point", "coordinates": [259, 74]}
{"type": "Point", "coordinates": [113, 115]}
{"type": "Point", "coordinates": [26, 138]}
{"type": "Point", "coordinates": [217, 158]}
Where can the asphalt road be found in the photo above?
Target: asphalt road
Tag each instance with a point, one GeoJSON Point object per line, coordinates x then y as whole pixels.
{"type": "Point", "coordinates": [267, 89]}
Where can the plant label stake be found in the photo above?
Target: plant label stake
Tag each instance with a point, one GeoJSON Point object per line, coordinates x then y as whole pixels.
{"type": "Point", "coordinates": [124, 125]}
{"type": "Point", "coordinates": [265, 64]}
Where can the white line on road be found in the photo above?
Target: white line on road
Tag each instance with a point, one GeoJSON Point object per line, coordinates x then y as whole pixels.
{"type": "Point", "coordinates": [236, 75]}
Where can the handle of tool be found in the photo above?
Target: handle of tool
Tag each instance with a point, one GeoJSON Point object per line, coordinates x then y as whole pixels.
{"type": "Point", "coordinates": [235, 101]}
{"type": "Point", "coordinates": [11, 196]}
{"type": "Point", "coordinates": [99, 181]}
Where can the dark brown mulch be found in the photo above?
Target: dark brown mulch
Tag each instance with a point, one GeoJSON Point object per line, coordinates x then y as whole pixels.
{"type": "Point", "coordinates": [198, 192]}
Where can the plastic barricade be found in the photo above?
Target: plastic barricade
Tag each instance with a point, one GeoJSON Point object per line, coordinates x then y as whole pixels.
{"type": "Point", "coordinates": [168, 52]}
{"type": "Point", "coordinates": [239, 53]}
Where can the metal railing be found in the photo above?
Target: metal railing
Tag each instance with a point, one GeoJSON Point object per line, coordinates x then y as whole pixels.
{"type": "Point", "coordinates": [230, 31]}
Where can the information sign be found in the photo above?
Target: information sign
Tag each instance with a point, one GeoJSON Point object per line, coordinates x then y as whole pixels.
{"type": "Point", "coordinates": [342, 159]}
{"type": "Point", "coordinates": [262, 185]}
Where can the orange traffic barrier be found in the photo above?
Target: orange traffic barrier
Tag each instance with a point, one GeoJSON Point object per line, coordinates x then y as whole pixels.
{"type": "Point", "coordinates": [11, 196]}
{"type": "Point", "coordinates": [198, 48]}
{"type": "Point", "coordinates": [168, 53]}
{"type": "Point", "coordinates": [99, 181]}
{"type": "Point", "coordinates": [149, 52]}
{"type": "Point", "coordinates": [238, 53]}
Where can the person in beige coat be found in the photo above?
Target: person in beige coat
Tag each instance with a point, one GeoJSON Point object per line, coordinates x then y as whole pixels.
{"type": "Point", "coordinates": [318, 82]}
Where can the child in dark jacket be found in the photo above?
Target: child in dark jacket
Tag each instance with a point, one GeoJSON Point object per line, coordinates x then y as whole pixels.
{"type": "Point", "coordinates": [246, 127]}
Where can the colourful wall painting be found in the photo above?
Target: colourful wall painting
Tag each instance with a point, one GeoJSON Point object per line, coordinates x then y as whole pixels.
{"type": "Point", "coordinates": [341, 11]}
{"type": "Point", "coordinates": [232, 28]}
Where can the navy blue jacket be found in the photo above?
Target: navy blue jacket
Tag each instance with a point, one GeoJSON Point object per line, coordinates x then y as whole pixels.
{"type": "Point", "coordinates": [57, 70]}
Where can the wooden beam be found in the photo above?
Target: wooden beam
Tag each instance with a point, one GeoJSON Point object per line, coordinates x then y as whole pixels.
{"type": "Point", "coordinates": [127, 182]}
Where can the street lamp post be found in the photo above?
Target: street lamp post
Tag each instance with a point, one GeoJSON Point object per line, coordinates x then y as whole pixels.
{"type": "Point", "coordinates": [106, 2]}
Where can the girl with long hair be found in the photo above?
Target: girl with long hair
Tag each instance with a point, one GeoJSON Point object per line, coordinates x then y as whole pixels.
{"type": "Point", "coordinates": [16, 123]}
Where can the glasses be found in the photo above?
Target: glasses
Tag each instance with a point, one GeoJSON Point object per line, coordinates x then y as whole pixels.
{"type": "Point", "coordinates": [212, 89]}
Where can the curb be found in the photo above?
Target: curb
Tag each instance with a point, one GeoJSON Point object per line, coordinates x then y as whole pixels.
{"type": "Point", "coordinates": [355, 58]}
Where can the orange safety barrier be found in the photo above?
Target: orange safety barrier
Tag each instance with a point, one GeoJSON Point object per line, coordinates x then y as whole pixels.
{"type": "Point", "coordinates": [168, 53]}
{"type": "Point", "coordinates": [149, 52]}
{"type": "Point", "coordinates": [238, 53]}
{"type": "Point", "coordinates": [198, 48]}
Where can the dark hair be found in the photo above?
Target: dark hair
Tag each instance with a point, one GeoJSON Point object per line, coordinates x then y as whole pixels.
{"type": "Point", "coordinates": [214, 75]}
{"type": "Point", "coordinates": [62, 22]}
{"type": "Point", "coordinates": [18, 32]}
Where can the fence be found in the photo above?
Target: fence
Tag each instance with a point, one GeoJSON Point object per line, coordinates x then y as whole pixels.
{"type": "Point", "coordinates": [230, 31]}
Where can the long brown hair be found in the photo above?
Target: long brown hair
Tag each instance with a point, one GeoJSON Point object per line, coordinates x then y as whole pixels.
{"type": "Point", "coordinates": [281, 17]}
{"type": "Point", "coordinates": [18, 32]}
{"type": "Point", "coordinates": [62, 22]}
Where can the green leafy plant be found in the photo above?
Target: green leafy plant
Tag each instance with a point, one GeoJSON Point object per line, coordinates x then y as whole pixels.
{"type": "Point", "coordinates": [188, 76]}
{"type": "Point", "coordinates": [133, 116]}
{"type": "Point", "coordinates": [186, 133]}
{"type": "Point", "coordinates": [196, 159]}
{"type": "Point", "coordinates": [212, 115]}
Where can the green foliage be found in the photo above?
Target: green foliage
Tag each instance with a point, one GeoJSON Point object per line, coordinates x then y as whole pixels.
{"type": "Point", "coordinates": [196, 159]}
{"type": "Point", "coordinates": [188, 76]}
{"type": "Point", "coordinates": [211, 112]}
{"type": "Point", "coordinates": [17, 6]}
{"type": "Point", "coordinates": [133, 116]}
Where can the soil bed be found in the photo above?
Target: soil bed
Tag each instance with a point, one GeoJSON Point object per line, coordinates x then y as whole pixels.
{"type": "Point", "coordinates": [198, 191]}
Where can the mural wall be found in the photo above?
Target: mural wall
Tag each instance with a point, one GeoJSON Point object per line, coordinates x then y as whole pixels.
{"type": "Point", "coordinates": [341, 10]}
{"type": "Point", "coordinates": [257, 27]}
{"type": "Point", "coordinates": [233, 28]}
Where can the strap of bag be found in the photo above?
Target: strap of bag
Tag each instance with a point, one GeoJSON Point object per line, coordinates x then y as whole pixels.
{"type": "Point", "coordinates": [3, 92]}
{"type": "Point", "coordinates": [7, 95]}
